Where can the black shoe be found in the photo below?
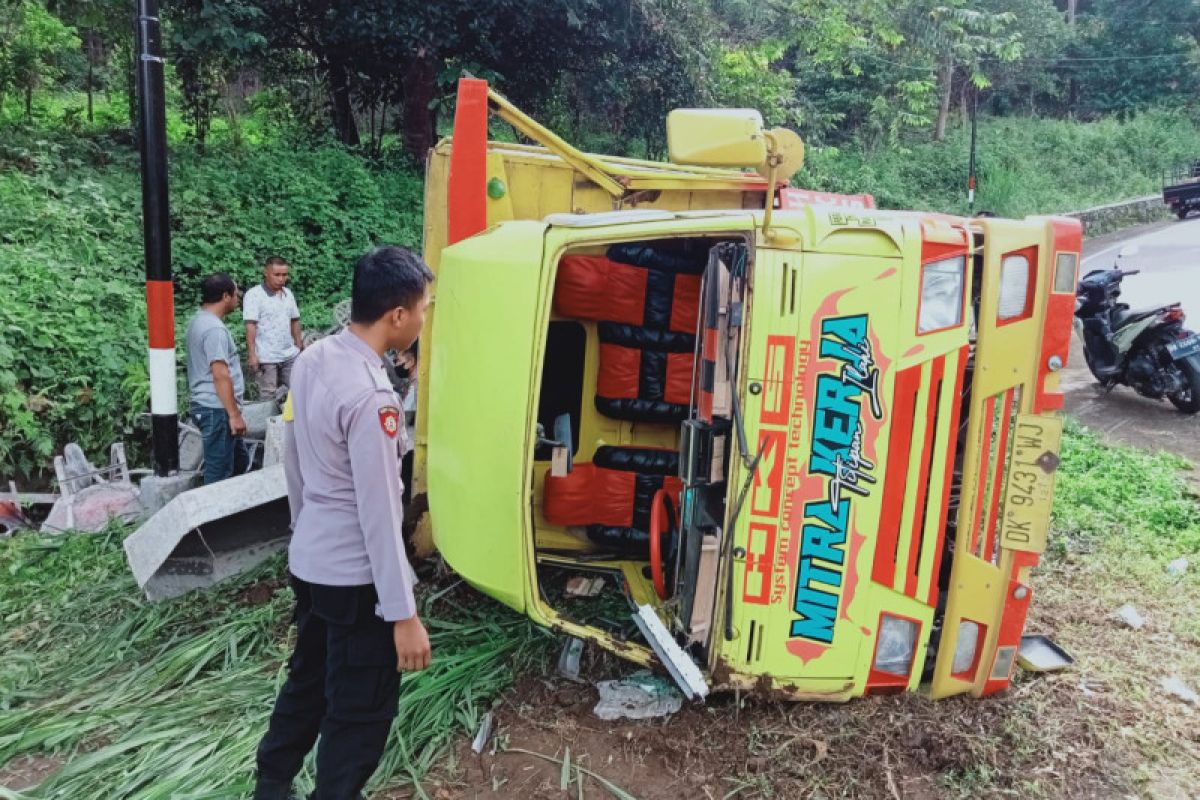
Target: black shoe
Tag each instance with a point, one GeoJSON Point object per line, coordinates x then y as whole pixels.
{"type": "Point", "coordinates": [268, 790]}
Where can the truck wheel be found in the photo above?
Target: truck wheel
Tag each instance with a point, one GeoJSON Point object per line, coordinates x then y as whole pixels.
{"type": "Point", "coordinates": [1188, 400]}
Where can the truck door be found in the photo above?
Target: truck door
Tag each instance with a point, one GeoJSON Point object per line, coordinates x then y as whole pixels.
{"type": "Point", "coordinates": [1023, 308]}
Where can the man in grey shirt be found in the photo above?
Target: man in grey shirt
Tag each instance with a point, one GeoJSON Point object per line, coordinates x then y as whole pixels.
{"type": "Point", "coordinates": [215, 383]}
{"type": "Point", "coordinates": [355, 612]}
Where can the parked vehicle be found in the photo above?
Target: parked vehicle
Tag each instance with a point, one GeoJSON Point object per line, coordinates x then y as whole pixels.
{"type": "Point", "coordinates": [1148, 350]}
{"type": "Point", "coordinates": [1181, 188]}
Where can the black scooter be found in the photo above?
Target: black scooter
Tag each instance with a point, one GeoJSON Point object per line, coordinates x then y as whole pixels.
{"type": "Point", "coordinates": [1148, 350]}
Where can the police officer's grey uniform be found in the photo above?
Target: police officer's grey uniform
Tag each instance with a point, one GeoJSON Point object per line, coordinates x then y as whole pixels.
{"type": "Point", "coordinates": [349, 570]}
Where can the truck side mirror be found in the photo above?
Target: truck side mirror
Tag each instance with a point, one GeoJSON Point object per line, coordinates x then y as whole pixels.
{"type": "Point", "coordinates": [716, 137]}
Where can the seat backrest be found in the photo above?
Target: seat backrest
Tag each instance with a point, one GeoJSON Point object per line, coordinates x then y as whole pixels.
{"type": "Point", "coordinates": [646, 301]}
{"type": "Point", "coordinates": [615, 489]}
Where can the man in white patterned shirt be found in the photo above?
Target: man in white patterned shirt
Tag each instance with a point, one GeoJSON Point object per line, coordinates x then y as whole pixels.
{"type": "Point", "coordinates": [272, 330]}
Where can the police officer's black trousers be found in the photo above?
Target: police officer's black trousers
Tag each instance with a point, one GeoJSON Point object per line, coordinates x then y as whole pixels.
{"type": "Point", "coordinates": [342, 684]}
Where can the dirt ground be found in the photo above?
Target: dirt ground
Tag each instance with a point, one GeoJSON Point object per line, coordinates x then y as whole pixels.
{"type": "Point", "coordinates": [27, 771]}
{"type": "Point", "coordinates": [1100, 730]}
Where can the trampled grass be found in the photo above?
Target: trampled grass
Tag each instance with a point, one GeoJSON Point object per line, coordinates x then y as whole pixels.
{"type": "Point", "coordinates": [169, 700]}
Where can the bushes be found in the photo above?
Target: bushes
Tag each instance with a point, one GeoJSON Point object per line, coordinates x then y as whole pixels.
{"type": "Point", "coordinates": [1025, 166]}
{"type": "Point", "coordinates": [72, 318]}
{"type": "Point", "coordinates": [72, 308]}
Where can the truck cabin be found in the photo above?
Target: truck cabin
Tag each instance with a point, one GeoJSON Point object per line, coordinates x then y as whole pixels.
{"type": "Point", "coordinates": [817, 443]}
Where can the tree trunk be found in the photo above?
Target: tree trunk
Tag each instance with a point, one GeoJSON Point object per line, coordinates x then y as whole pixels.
{"type": "Point", "coordinates": [945, 84]}
{"type": "Point", "coordinates": [29, 103]}
{"type": "Point", "coordinates": [131, 88]}
{"type": "Point", "coordinates": [420, 121]}
{"type": "Point", "coordinates": [91, 44]}
{"type": "Point", "coordinates": [343, 110]}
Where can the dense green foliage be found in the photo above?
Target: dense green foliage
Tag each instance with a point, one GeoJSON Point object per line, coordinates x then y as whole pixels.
{"type": "Point", "coordinates": [72, 314]}
{"type": "Point", "coordinates": [170, 699]}
{"type": "Point", "coordinates": [259, 91]}
{"type": "Point", "coordinates": [866, 71]}
{"type": "Point", "coordinates": [1025, 166]}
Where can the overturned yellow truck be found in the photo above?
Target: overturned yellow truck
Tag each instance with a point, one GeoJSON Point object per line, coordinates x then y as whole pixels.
{"type": "Point", "coordinates": [812, 443]}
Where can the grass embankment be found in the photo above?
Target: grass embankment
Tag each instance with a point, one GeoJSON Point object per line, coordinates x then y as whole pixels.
{"type": "Point", "coordinates": [72, 316]}
{"type": "Point", "coordinates": [169, 700]}
{"type": "Point", "coordinates": [1025, 166]}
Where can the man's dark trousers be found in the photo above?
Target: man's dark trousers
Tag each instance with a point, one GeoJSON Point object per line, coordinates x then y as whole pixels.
{"type": "Point", "coordinates": [224, 454]}
{"type": "Point", "coordinates": [343, 684]}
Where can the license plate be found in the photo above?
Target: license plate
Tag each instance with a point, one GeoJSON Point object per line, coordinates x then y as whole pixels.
{"type": "Point", "coordinates": [1029, 491]}
{"type": "Point", "coordinates": [1182, 348]}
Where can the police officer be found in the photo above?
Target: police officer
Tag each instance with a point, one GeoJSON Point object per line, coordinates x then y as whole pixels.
{"type": "Point", "coordinates": [355, 614]}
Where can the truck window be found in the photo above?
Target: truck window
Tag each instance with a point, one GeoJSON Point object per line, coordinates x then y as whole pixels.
{"type": "Point", "coordinates": [562, 381]}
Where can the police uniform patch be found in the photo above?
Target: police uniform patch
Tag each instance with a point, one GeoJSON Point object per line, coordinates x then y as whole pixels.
{"type": "Point", "coordinates": [389, 420]}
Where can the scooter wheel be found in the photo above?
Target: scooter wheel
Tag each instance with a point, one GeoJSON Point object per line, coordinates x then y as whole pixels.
{"type": "Point", "coordinates": [1188, 400]}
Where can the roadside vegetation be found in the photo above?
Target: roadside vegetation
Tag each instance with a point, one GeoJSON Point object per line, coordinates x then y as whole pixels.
{"type": "Point", "coordinates": [114, 696]}
{"type": "Point", "coordinates": [72, 310]}
{"type": "Point", "coordinates": [105, 695]}
{"type": "Point", "coordinates": [311, 147]}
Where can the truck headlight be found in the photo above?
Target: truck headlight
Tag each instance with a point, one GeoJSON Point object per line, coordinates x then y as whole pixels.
{"type": "Point", "coordinates": [896, 646]}
{"type": "Point", "coordinates": [966, 650]}
{"type": "Point", "coordinates": [1014, 288]}
{"type": "Point", "coordinates": [942, 294]}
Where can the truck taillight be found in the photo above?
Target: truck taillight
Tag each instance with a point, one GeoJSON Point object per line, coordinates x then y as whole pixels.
{"type": "Point", "coordinates": [967, 649]}
{"type": "Point", "coordinates": [1016, 285]}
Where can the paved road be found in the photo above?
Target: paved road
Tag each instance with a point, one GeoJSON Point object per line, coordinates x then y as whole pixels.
{"type": "Point", "coordinates": [1169, 257]}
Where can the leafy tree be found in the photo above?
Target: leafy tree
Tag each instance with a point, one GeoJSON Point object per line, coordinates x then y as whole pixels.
{"type": "Point", "coordinates": [34, 47]}
{"type": "Point", "coordinates": [208, 40]}
{"type": "Point", "coordinates": [1129, 55]}
{"type": "Point", "coordinates": [106, 29]}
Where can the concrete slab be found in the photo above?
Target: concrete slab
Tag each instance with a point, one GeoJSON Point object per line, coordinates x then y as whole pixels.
{"type": "Point", "coordinates": [157, 491]}
{"type": "Point", "coordinates": [210, 533]}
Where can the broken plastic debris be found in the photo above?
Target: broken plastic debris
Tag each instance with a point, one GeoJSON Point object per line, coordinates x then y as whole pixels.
{"type": "Point", "coordinates": [1177, 567]}
{"type": "Point", "coordinates": [642, 695]}
{"type": "Point", "coordinates": [569, 658]}
{"type": "Point", "coordinates": [583, 586]}
{"type": "Point", "coordinates": [483, 734]}
{"type": "Point", "coordinates": [1130, 616]}
{"type": "Point", "coordinates": [92, 508]}
{"type": "Point", "coordinates": [1175, 687]}
{"type": "Point", "coordinates": [1038, 653]}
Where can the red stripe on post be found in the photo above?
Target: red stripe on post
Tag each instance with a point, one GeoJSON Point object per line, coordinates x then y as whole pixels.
{"type": "Point", "coordinates": [160, 314]}
{"type": "Point", "coordinates": [989, 546]}
{"type": "Point", "coordinates": [916, 537]}
{"type": "Point", "coordinates": [904, 402]}
{"type": "Point", "coordinates": [948, 477]}
{"type": "Point", "coordinates": [467, 186]}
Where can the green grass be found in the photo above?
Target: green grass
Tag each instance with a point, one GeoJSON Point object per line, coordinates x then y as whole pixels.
{"type": "Point", "coordinates": [169, 700]}
{"type": "Point", "coordinates": [1025, 165]}
{"type": "Point", "coordinates": [1130, 504]}
{"type": "Point", "coordinates": [72, 308]}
